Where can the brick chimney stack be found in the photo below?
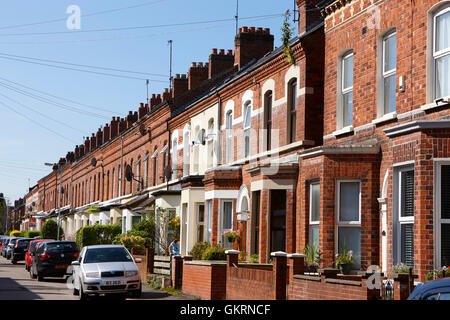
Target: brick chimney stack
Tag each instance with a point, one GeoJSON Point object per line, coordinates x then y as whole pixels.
{"type": "Point", "coordinates": [106, 133]}
{"type": "Point", "coordinates": [93, 142]}
{"type": "Point", "coordinates": [165, 95]}
{"type": "Point", "coordinates": [220, 62]}
{"type": "Point", "coordinates": [198, 72]}
{"type": "Point", "coordinates": [86, 145]}
{"type": "Point", "coordinates": [122, 125]}
{"type": "Point", "coordinates": [252, 43]}
{"type": "Point", "coordinates": [308, 15]}
{"type": "Point", "coordinates": [77, 152]}
{"type": "Point", "coordinates": [142, 110]}
{"type": "Point", "coordinates": [179, 85]}
{"type": "Point", "coordinates": [155, 100]}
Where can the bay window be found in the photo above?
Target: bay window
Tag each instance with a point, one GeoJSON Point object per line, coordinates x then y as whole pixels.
{"type": "Point", "coordinates": [442, 215]}
{"type": "Point", "coordinates": [349, 219]}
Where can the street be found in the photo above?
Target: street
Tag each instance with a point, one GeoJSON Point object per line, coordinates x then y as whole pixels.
{"type": "Point", "coordinates": [16, 284]}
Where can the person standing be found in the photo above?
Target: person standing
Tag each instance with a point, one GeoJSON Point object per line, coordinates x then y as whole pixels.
{"type": "Point", "coordinates": [174, 247]}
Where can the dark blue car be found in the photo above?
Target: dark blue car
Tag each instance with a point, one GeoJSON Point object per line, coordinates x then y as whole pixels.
{"type": "Point", "coordinates": [434, 290]}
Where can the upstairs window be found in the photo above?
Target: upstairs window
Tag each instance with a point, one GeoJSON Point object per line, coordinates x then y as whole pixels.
{"type": "Point", "coordinates": [292, 110]}
{"type": "Point", "coordinates": [441, 53]}
{"type": "Point", "coordinates": [268, 119]}
{"type": "Point", "coordinates": [247, 126]}
{"type": "Point", "coordinates": [228, 136]}
{"type": "Point", "coordinates": [389, 71]}
{"type": "Point", "coordinates": [347, 90]}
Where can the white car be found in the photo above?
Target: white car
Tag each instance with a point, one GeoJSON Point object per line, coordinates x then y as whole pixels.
{"type": "Point", "coordinates": [105, 269]}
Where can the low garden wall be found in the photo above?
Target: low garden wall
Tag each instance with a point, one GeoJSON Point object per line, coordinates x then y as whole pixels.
{"type": "Point", "coordinates": [146, 264]}
{"type": "Point", "coordinates": [250, 282]}
{"type": "Point", "coordinates": [205, 279]}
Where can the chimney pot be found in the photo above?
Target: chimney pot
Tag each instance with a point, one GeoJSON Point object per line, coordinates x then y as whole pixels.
{"type": "Point", "coordinates": [252, 29]}
{"type": "Point", "coordinates": [267, 30]}
{"type": "Point", "coordinates": [200, 64]}
{"type": "Point", "coordinates": [222, 51]}
{"type": "Point", "coordinates": [244, 29]}
{"type": "Point", "coordinates": [193, 64]}
{"type": "Point", "coordinates": [214, 51]}
{"type": "Point", "coordinates": [259, 30]}
{"type": "Point", "coordinates": [229, 52]}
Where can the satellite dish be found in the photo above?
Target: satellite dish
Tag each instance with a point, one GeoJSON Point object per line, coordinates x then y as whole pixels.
{"type": "Point", "coordinates": [93, 162]}
{"type": "Point", "coordinates": [128, 173]}
{"type": "Point", "coordinates": [142, 129]}
{"type": "Point", "coordinates": [167, 172]}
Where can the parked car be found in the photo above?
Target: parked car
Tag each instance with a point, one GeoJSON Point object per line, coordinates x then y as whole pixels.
{"type": "Point", "coordinates": [434, 290]}
{"type": "Point", "coordinates": [10, 246]}
{"type": "Point", "coordinates": [19, 249]}
{"type": "Point", "coordinates": [31, 251]}
{"type": "Point", "coordinates": [52, 259]}
{"type": "Point", "coordinates": [106, 269]}
{"type": "Point", "coordinates": [3, 243]}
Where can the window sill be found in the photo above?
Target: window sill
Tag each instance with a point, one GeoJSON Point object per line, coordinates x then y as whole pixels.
{"type": "Point", "coordinates": [342, 131]}
{"type": "Point", "coordinates": [434, 105]}
{"type": "Point", "coordinates": [387, 117]}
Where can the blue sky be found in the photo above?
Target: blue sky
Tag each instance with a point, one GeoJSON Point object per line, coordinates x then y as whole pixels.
{"type": "Point", "coordinates": [25, 145]}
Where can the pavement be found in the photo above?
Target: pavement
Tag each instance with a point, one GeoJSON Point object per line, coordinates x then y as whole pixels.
{"type": "Point", "coordinates": [16, 284]}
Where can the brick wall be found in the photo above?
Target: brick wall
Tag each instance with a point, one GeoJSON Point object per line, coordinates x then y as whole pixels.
{"type": "Point", "coordinates": [252, 282]}
{"type": "Point", "coordinates": [205, 280]}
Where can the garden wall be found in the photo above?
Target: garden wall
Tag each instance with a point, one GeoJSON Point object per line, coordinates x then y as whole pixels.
{"type": "Point", "coordinates": [205, 279]}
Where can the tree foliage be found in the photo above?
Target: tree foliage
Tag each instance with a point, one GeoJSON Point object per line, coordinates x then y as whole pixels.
{"type": "Point", "coordinates": [50, 230]}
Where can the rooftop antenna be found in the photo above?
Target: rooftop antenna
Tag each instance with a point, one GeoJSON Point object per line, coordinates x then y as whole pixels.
{"type": "Point", "coordinates": [296, 13]}
{"type": "Point", "coordinates": [147, 83]}
{"type": "Point", "coordinates": [237, 16]}
{"type": "Point", "coordinates": [170, 71]}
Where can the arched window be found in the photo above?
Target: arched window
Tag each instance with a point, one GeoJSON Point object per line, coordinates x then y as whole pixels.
{"type": "Point", "coordinates": [174, 158]}
{"type": "Point", "coordinates": [247, 126]}
{"type": "Point", "coordinates": [292, 110]}
{"type": "Point", "coordinates": [114, 182]}
{"type": "Point", "coordinates": [145, 183]}
{"type": "Point", "coordinates": [131, 182]}
{"type": "Point", "coordinates": [210, 146]}
{"type": "Point", "coordinates": [93, 189]}
{"type": "Point", "coordinates": [196, 149]}
{"type": "Point", "coordinates": [138, 174]}
{"type": "Point", "coordinates": [155, 166]}
{"type": "Point", "coordinates": [186, 150]}
{"type": "Point", "coordinates": [107, 186]}
{"type": "Point", "coordinates": [268, 119]}
{"type": "Point", "coordinates": [441, 53]}
{"type": "Point", "coordinates": [229, 136]}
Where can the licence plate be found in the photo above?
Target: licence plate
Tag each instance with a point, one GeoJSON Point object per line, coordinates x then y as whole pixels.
{"type": "Point", "coordinates": [62, 266]}
{"type": "Point", "coordinates": [111, 283]}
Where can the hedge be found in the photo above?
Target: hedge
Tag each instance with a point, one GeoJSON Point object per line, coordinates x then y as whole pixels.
{"type": "Point", "coordinates": [50, 230]}
{"type": "Point", "coordinates": [15, 233]}
{"type": "Point", "coordinates": [97, 234]}
{"type": "Point", "coordinates": [214, 253]}
{"type": "Point", "coordinates": [32, 234]}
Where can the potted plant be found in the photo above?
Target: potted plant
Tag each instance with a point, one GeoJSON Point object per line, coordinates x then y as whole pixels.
{"type": "Point", "coordinates": [231, 235]}
{"type": "Point", "coordinates": [344, 261]}
{"type": "Point", "coordinates": [313, 258]}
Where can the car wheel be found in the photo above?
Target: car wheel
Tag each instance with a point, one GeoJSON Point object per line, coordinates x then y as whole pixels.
{"type": "Point", "coordinates": [13, 261]}
{"type": "Point", "coordinates": [40, 277]}
{"type": "Point", "coordinates": [82, 296]}
{"type": "Point", "coordinates": [137, 293]}
{"type": "Point", "coordinates": [76, 292]}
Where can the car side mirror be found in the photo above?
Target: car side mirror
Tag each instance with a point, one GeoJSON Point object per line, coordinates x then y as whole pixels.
{"type": "Point", "coordinates": [138, 260]}
{"type": "Point", "coordinates": [75, 263]}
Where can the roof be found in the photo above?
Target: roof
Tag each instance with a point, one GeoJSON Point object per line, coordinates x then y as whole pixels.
{"type": "Point", "coordinates": [99, 246]}
{"type": "Point", "coordinates": [246, 69]}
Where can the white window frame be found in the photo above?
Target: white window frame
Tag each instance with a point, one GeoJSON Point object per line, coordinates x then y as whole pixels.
{"type": "Point", "coordinates": [398, 219]}
{"type": "Point", "coordinates": [208, 220]}
{"type": "Point", "coordinates": [221, 215]}
{"type": "Point", "coordinates": [345, 224]}
{"type": "Point", "coordinates": [438, 54]}
{"type": "Point", "coordinates": [174, 158]}
{"type": "Point", "coordinates": [199, 223]}
{"type": "Point", "coordinates": [229, 136]}
{"type": "Point", "coordinates": [312, 222]}
{"type": "Point", "coordinates": [247, 110]}
{"type": "Point", "coordinates": [146, 166]}
{"type": "Point", "coordinates": [438, 221]}
{"type": "Point", "coordinates": [346, 90]}
{"type": "Point", "coordinates": [388, 73]}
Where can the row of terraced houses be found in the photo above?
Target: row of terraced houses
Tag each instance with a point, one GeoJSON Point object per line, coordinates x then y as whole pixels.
{"type": "Point", "coordinates": [351, 144]}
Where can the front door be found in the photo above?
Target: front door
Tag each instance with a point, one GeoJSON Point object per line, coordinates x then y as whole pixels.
{"type": "Point", "coordinates": [278, 220]}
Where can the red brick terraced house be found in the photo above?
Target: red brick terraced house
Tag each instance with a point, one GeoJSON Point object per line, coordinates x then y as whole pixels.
{"type": "Point", "coordinates": [379, 183]}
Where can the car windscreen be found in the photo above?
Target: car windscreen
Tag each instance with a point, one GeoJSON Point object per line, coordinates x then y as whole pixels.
{"type": "Point", "coordinates": [24, 243]}
{"type": "Point", "coordinates": [99, 255]}
{"type": "Point", "coordinates": [12, 241]}
{"type": "Point", "coordinates": [62, 246]}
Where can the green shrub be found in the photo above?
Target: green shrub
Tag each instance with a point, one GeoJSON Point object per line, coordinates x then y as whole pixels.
{"type": "Point", "coordinates": [50, 230]}
{"type": "Point", "coordinates": [214, 253]}
{"type": "Point", "coordinates": [32, 234]}
{"type": "Point", "coordinates": [131, 242]}
{"type": "Point", "coordinates": [145, 229]}
{"type": "Point", "coordinates": [254, 258]}
{"type": "Point", "coordinates": [242, 256]}
{"type": "Point", "coordinates": [97, 234]}
{"type": "Point", "coordinates": [198, 249]}
{"type": "Point", "coordinates": [16, 233]}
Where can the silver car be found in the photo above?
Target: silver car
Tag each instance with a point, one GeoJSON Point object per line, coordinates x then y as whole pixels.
{"type": "Point", "coordinates": [105, 269]}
